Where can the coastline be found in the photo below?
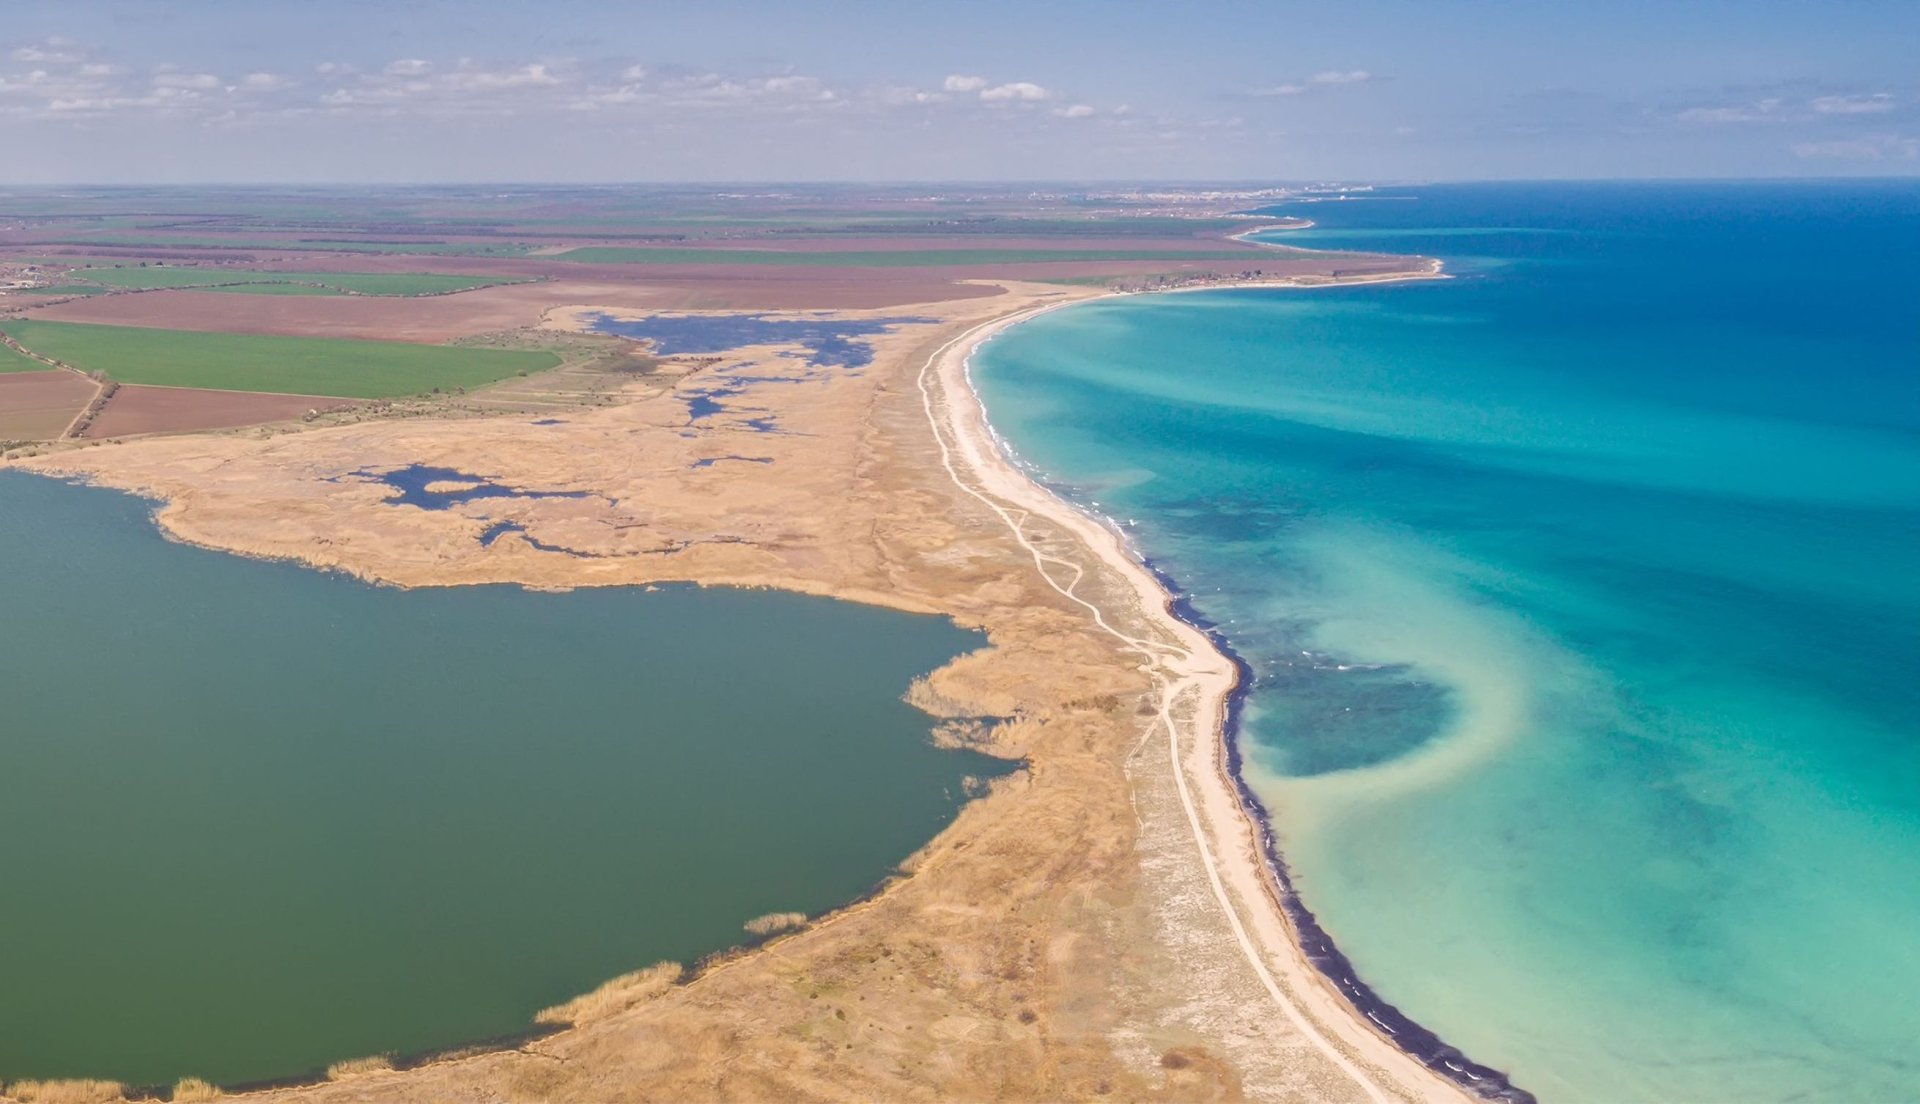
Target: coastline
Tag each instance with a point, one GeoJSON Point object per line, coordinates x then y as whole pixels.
{"type": "Point", "coordinates": [1195, 667]}
{"type": "Point", "coordinates": [803, 525]}
{"type": "Point", "coordinates": [1247, 234]}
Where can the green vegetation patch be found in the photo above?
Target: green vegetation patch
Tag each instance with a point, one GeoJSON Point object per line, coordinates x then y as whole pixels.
{"type": "Point", "coordinates": [365, 283]}
{"type": "Point", "coordinates": [889, 258]}
{"type": "Point", "coordinates": [285, 365]}
{"type": "Point", "coordinates": [309, 245]}
{"type": "Point", "coordinates": [272, 289]}
{"type": "Point", "coordinates": [11, 361]}
{"type": "Point", "coordinates": [64, 289]}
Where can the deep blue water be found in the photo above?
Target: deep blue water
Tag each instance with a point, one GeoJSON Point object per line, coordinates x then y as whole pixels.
{"type": "Point", "coordinates": [416, 484]}
{"type": "Point", "coordinates": [1583, 596]}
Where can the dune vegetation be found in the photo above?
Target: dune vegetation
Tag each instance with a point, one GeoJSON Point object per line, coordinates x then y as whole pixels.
{"type": "Point", "coordinates": [615, 996]}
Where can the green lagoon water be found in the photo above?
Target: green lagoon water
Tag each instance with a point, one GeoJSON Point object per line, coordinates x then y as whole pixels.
{"type": "Point", "coordinates": [1582, 596]}
{"type": "Point", "coordinates": [255, 818]}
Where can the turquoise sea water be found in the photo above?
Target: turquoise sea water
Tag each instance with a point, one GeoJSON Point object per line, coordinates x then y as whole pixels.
{"type": "Point", "coordinates": [1582, 594]}
{"type": "Point", "coordinates": [255, 818]}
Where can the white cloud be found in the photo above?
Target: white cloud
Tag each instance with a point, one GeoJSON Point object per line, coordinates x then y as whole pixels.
{"type": "Point", "coordinates": [534, 75]}
{"type": "Point", "coordinates": [1885, 147]}
{"type": "Point", "coordinates": [897, 95]}
{"type": "Point", "coordinates": [472, 88]}
{"type": "Point", "coordinates": [199, 81]}
{"type": "Point", "coordinates": [1853, 105]}
{"type": "Point", "coordinates": [53, 51]}
{"type": "Point", "coordinates": [1762, 111]}
{"type": "Point", "coordinates": [468, 88]}
{"type": "Point", "coordinates": [1324, 79]}
{"type": "Point", "coordinates": [1014, 90]}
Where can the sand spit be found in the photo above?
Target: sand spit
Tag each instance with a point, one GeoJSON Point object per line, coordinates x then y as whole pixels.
{"type": "Point", "coordinates": [1098, 925]}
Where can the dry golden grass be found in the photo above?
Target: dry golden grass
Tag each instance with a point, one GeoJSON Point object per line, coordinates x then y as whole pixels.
{"type": "Point", "coordinates": [192, 1090]}
{"type": "Point", "coordinates": [775, 922]}
{"type": "Point", "coordinates": [357, 1067]}
{"type": "Point", "coordinates": [615, 996]}
{"type": "Point", "coordinates": [67, 1092]}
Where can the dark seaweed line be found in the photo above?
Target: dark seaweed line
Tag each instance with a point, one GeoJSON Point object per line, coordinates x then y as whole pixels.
{"type": "Point", "coordinates": [1409, 1035]}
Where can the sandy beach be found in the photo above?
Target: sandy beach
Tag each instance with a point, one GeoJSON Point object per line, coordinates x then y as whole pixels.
{"type": "Point", "coordinates": [1193, 681]}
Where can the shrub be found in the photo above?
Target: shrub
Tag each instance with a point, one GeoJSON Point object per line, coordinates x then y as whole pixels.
{"type": "Point", "coordinates": [67, 1092]}
{"type": "Point", "coordinates": [357, 1067]}
{"type": "Point", "coordinates": [774, 922]}
{"type": "Point", "coordinates": [615, 996]}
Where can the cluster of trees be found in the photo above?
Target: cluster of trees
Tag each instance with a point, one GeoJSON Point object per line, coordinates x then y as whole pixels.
{"type": "Point", "coordinates": [99, 403]}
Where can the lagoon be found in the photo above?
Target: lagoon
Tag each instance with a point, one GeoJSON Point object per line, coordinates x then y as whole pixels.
{"type": "Point", "coordinates": [255, 818]}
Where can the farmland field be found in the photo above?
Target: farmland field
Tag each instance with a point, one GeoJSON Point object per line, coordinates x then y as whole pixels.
{"type": "Point", "coordinates": [365, 283]}
{"type": "Point", "coordinates": [62, 289]}
{"type": "Point", "coordinates": [266, 289]}
{"type": "Point", "coordinates": [890, 258]}
{"type": "Point", "coordinates": [336, 367]}
{"type": "Point", "coordinates": [308, 245]}
{"type": "Point", "coordinates": [36, 406]}
{"type": "Point", "coordinates": [11, 361]}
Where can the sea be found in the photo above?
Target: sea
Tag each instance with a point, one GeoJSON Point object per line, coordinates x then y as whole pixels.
{"type": "Point", "coordinates": [1581, 597]}
{"type": "Point", "coordinates": [256, 818]}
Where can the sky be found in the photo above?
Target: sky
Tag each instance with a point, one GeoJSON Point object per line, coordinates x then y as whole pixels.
{"type": "Point", "coordinates": [421, 91]}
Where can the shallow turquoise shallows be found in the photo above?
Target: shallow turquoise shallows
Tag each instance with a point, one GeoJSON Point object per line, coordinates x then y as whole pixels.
{"type": "Point", "coordinates": [255, 818]}
{"type": "Point", "coordinates": [1583, 597]}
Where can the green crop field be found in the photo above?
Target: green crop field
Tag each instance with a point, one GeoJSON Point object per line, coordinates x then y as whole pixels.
{"type": "Point", "coordinates": [11, 361]}
{"type": "Point", "coordinates": [890, 258]}
{"type": "Point", "coordinates": [66, 289]}
{"type": "Point", "coordinates": [288, 365]}
{"type": "Point", "coordinates": [366, 283]}
{"type": "Point", "coordinates": [302, 245]}
{"type": "Point", "coordinates": [271, 289]}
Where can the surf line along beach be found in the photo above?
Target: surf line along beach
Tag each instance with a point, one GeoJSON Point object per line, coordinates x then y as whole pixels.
{"type": "Point", "coordinates": [1197, 680]}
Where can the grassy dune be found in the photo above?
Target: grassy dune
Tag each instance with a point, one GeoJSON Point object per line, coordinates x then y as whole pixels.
{"type": "Point", "coordinates": [285, 365]}
{"type": "Point", "coordinates": [889, 258]}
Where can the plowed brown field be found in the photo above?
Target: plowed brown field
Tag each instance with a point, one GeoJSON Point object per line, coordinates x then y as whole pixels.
{"type": "Point", "coordinates": [36, 406]}
{"type": "Point", "coordinates": [141, 409]}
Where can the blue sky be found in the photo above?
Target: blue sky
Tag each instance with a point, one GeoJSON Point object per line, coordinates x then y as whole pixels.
{"type": "Point", "coordinates": [489, 90]}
